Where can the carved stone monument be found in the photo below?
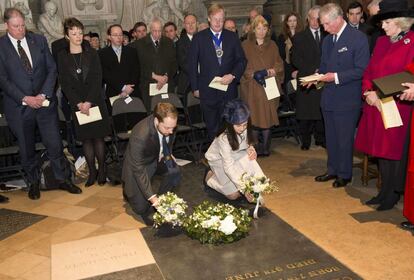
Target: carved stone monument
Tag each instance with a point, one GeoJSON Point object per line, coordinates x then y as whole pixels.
{"type": "Point", "coordinates": [23, 6]}
{"type": "Point", "coordinates": [50, 23]}
{"type": "Point", "coordinates": [96, 15]}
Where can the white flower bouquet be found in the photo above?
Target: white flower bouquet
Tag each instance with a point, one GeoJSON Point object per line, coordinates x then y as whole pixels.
{"type": "Point", "coordinates": [217, 223]}
{"type": "Point", "coordinates": [170, 209]}
{"type": "Point", "coordinates": [257, 185]}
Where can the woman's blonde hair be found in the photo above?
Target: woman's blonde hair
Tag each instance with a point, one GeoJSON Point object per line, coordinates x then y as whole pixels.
{"type": "Point", "coordinates": [259, 20]}
{"type": "Point", "coordinates": [214, 8]}
{"type": "Point", "coordinates": [404, 23]}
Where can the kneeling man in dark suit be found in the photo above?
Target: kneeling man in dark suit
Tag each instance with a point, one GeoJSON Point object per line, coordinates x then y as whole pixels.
{"type": "Point", "coordinates": [149, 153]}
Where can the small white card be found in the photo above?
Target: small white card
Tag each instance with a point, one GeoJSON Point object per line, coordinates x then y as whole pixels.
{"type": "Point", "coordinates": [271, 89]}
{"type": "Point", "coordinates": [294, 84]}
{"type": "Point", "coordinates": [44, 104]}
{"type": "Point", "coordinates": [113, 99]}
{"type": "Point", "coordinates": [311, 78]}
{"type": "Point", "coordinates": [164, 96]}
{"type": "Point", "coordinates": [216, 84]}
{"type": "Point", "coordinates": [128, 99]}
{"type": "Point", "coordinates": [94, 115]}
{"type": "Point", "coordinates": [79, 162]}
{"type": "Point", "coordinates": [389, 112]}
{"type": "Point", "coordinates": [154, 91]}
{"type": "Point", "coordinates": [182, 162]}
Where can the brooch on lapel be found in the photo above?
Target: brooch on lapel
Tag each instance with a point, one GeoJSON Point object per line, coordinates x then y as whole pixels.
{"type": "Point", "coordinates": [407, 41]}
{"type": "Point", "coordinates": [344, 49]}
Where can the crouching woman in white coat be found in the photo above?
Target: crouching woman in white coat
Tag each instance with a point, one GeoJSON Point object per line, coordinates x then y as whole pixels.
{"type": "Point", "coordinates": [232, 153]}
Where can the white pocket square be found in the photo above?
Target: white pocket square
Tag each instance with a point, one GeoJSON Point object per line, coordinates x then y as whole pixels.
{"type": "Point", "coordinates": [344, 49]}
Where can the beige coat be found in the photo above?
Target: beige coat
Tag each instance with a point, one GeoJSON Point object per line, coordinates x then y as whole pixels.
{"type": "Point", "coordinates": [265, 56]}
{"type": "Point", "coordinates": [227, 165]}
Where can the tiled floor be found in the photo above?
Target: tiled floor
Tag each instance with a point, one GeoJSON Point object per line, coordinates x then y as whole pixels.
{"type": "Point", "coordinates": [368, 242]}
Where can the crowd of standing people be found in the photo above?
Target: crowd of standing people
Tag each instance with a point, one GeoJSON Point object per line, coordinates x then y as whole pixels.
{"type": "Point", "coordinates": [348, 50]}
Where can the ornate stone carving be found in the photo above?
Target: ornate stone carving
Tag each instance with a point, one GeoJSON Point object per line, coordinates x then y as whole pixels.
{"type": "Point", "coordinates": [166, 10]}
{"type": "Point", "coordinates": [23, 6]}
{"type": "Point", "coordinates": [96, 15]}
{"type": "Point", "coordinates": [50, 23]}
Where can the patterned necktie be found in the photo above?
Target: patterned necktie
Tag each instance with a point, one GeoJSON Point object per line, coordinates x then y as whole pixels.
{"type": "Point", "coordinates": [334, 39]}
{"type": "Point", "coordinates": [317, 39]}
{"type": "Point", "coordinates": [157, 44]}
{"type": "Point", "coordinates": [169, 162]}
{"type": "Point", "coordinates": [24, 58]}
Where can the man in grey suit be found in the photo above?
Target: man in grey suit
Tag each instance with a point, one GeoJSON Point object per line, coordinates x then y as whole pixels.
{"type": "Point", "coordinates": [28, 77]}
{"type": "Point", "coordinates": [149, 153]}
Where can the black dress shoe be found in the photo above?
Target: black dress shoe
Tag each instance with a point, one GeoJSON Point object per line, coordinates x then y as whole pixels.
{"type": "Point", "coordinates": [325, 177]}
{"type": "Point", "coordinates": [322, 144]}
{"type": "Point", "coordinates": [101, 178]}
{"type": "Point", "coordinates": [304, 147]}
{"type": "Point", "coordinates": [407, 225]}
{"type": "Point", "coordinates": [91, 180]}
{"type": "Point", "coordinates": [340, 182]}
{"type": "Point", "coordinates": [70, 187]}
{"type": "Point", "coordinates": [3, 199]}
{"type": "Point", "coordinates": [389, 202]}
{"type": "Point", "coordinates": [34, 191]}
{"type": "Point", "coordinates": [148, 217]}
{"type": "Point", "coordinates": [385, 207]}
{"type": "Point", "coordinates": [374, 200]}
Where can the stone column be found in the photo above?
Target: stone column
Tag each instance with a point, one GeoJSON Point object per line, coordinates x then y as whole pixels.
{"type": "Point", "coordinates": [303, 7]}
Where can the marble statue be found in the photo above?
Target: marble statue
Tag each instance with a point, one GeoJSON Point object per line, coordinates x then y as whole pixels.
{"type": "Point", "coordinates": [3, 5]}
{"type": "Point", "coordinates": [165, 10]}
{"type": "Point", "coordinates": [23, 6]}
{"type": "Point", "coordinates": [50, 23]}
{"type": "Point", "coordinates": [175, 10]}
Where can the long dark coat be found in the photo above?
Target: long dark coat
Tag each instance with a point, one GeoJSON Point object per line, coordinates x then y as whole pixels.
{"type": "Point", "coordinates": [82, 88]}
{"type": "Point", "coordinates": [306, 57]}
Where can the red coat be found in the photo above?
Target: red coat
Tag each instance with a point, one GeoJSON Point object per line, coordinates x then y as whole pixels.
{"type": "Point", "coordinates": [409, 181]}
{"type": "Point", "coordinates": [372, 138]}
